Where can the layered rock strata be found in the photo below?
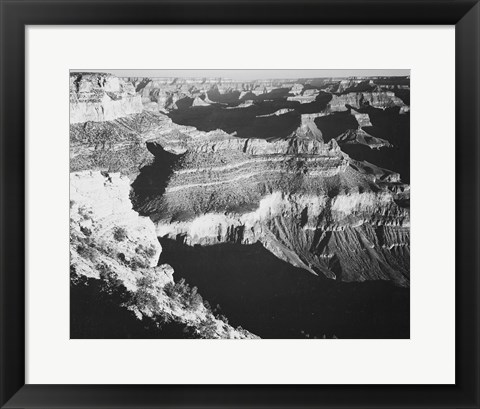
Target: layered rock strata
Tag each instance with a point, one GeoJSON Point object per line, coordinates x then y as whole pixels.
{"type": "Point", "coordinates": [358, 100]}
{"type": "Point", "coordinates": [305, 97]}
{"type": "Point", "coordinates": [101, 97]}
{"type": "Point", "coordinates": [303, 199]}
{"type": "Point", "coordinates": [109, 241]}
{"type": "Point", "coordinates": [359, 136]}
{"type": "Point", "coordinates": [118, 145]}
{"type": "Point", "coordinates": [165, 94]}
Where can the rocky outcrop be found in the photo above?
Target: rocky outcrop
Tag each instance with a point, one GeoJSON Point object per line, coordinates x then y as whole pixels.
{"type": "Point", "coordinates": [296, 89]}
{"type": "Point", "coordinates": [362, 119]}
{"type": "Point", "coordinates": [277, 113]}
{"type": "Point", "coordinates": [164, 93]}
{"type": "Point", "coordinates": [300, 197]}
{"type": "Point", "coordinates": [394, 87]}
{"type": "Point", "coordinates": [199, 102]}
{"type": "Point", "coordinates": [308, 129]}
{"type": "Point", "coordinates": [109, 241]}
{"type": "Point", "coordinates": [115, 146]}
{"type": "Point", "coordinates": [359, 136]}
{"type": "Point", "coordinates": [245, 104]}
{"type": "Point", "coordinates": [355, 85]}
{"type": "Point", "coordinates": [101, 97]}
{"type": "Point", "coordinates": [358, 100]}
{"type": "Point", "coordinates": [306, 97]}
{"type": "Point", "coordinates": [100, 208]}
{"type": "Point", "coordinates": [253, 160]}
{"type": "Point", "coordinates": [353, 237]}
{"type": "Point", "coordinates": [106, 140]}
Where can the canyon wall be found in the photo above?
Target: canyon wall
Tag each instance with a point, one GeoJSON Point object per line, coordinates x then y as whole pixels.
{"type": "Point", "coordinates": [358, 100]}
{"type": "Point", "coordinates": [109, 241]}
{"type": "Point", "coordinates": [138, 173]}
{"type": "Point", "coordinates": [304, 200]}
{"type": "Point", "coordinates": [101, 97]}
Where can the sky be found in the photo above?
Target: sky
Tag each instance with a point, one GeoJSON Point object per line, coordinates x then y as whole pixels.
{"type": "Point", "coordinates": [247, 75]}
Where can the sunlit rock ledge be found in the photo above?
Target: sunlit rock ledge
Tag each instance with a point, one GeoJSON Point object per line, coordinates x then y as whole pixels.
{"type": "Point", "coordinates": [101, 97]}
{"type": "Point", "coordinates": [110, 242]}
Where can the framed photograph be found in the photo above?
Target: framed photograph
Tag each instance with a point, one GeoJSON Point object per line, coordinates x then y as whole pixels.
{"type": "Point", "coordinates": [237, 204]}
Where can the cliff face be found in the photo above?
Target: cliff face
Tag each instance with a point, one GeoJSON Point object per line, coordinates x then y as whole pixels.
{"type": "Point", "coordinates": [109, 241]}
{"type": "Point", "coordinates": [359, 136]}
{"type": "Point", "coordinates": [163, 94]}
{"type": "Point", "coordinates": [305, 97]}
{"type": "Point", "coordinates": [100, 210]}
{"type": "Point", "coordinates": [166, 94]}
{"type": "Point", "coordinates": [296, 192]}
{"type": "Point", "coordinates": [337, 238]}
{"type": "Point", "coordinates": [303, 199]}
{"type": "Point", "coordinates": [358, 100]}
{"type": "Point", "coordinates": [119, 145]}
{"type": "Point", "coordinates": [101, 97]}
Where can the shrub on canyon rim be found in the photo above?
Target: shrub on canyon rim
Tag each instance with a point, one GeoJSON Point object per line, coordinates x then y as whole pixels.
{"type": "Point", "coordinates": [146, 251]}
{"type": "Point", "coordinates": [207, 328]}
{"type": "Point", "coordinates": [142, 299]}
{"type": "Point", "coordinates": [119, 234]}
{"type": "Point", "coordinates": [182, 292]}
{"type": "Point", "coordinates": [110, 278]}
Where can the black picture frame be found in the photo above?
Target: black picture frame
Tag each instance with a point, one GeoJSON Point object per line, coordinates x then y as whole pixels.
{"type": "Point", "coordinates": [16, 14]}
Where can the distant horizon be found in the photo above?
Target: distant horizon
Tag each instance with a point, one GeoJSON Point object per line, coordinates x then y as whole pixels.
{"type": "Point", "coordinates": [252, 74]}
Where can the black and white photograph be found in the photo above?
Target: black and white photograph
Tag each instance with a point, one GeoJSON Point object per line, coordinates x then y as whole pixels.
{"type": "Point", "coordinates": [239, 204]}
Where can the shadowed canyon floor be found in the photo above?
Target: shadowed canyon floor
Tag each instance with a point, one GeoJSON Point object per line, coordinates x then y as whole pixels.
{"type": "Point", "coordinates": [273, 299]}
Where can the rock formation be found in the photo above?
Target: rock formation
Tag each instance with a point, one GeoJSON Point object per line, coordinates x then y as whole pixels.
{"type": "Point", "coordinates": [101, 97]}
{"type": "Point", "coordinates": [300, 197]}
{"type": "Point", "coordinates": [359, 136]}
{"type": "Point", "coordinates": [382, 100]}
{"type": "Point", "coordinates": [277, 113]}
{"type": "Point", "coordinates": [137, 175]}
{"type": "Point", "coordinates": [362, 119]}
{"type": "Point", "coordinates": [199, 102]}
{"type": "Point", "coordinates": [163, 93]}
{"type": "Point", "coordinates": [109, 241]}
{"type": "Point", "coordinates": [117, 145]}
{"type": "Point", "coordinates": [306, 97]}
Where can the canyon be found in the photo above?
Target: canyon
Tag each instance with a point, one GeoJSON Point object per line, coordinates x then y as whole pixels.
{"type": "Point", "coordinates": [308, 179]}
